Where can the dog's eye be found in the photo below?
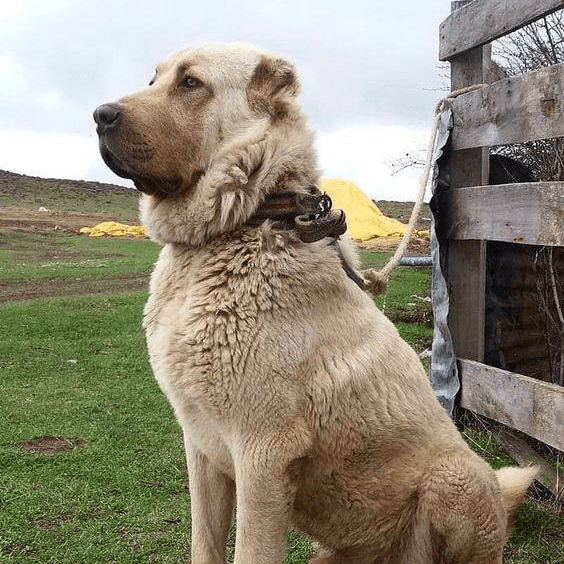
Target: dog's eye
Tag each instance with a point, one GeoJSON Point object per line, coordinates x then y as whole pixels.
{"type": "Point", "coordinates": [191, 82]}
{"type": "Point", "coordinates": [152, 82]}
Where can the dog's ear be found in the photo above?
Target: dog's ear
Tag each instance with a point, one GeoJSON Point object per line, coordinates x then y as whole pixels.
{"type": "Point", "coordinates": [273, 84]}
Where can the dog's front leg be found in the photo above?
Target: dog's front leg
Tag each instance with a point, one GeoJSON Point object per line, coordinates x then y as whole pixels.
{"type": "Point", "coordinates": [211, 498]}
{"type": "Point", "coordinates": [265, 499]}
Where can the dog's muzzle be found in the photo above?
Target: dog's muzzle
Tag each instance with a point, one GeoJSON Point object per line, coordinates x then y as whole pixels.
{"type": "Point", "coordinates": [108, 118]}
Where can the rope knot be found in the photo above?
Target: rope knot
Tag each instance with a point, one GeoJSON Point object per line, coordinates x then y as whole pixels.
{"type": "Point", "coordinates": [375, 282]}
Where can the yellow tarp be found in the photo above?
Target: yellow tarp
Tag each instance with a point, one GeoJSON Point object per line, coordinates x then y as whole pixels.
{"type": "Point", "coordinates": [364, 220]}
{"type": "Point", "coordinates": [113, 229]}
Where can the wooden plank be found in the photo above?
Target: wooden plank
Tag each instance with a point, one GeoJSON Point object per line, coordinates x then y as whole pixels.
{"type": "Point", "coordinates": [523, 453]}
{"type": "Point", "coordinates": [482, 21]}
{"type": "Point", "coordinates": [528, 405]}
{"type": "Point", "coordinates": [512, 110]}
{"type": "Point", "coordinates": [469, 167]}
{"type": "Point", "coordinates": [467, 297]}
{"type": "Point", "coordinates": [531, 214]}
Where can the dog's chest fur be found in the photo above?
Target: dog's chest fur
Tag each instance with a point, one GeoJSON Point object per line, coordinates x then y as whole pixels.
{"type": "Point", "coordinates": [213, 311]}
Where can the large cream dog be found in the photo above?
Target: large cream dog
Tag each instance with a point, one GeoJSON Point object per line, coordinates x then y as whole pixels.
{"type": "Point", "coordinates": [299, 402]}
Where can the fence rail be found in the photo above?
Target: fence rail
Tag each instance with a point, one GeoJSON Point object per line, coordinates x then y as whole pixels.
{"type": "Point", "coordinates": [530, 214]}
{"type": "Point", "coordinates": [520, 402]}
{"type": "Point", "coordinates": [483, 21]}
{"type": "Point", "coordinates": [513, 110]}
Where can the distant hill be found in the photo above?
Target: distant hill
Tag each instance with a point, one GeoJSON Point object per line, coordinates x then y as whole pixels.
{"type": "Point", "coordinates": [85, 196]}
{"type": "Point", "coordinates": [10, 181]}
{"type": "Point", "coordinates": [68, 195]}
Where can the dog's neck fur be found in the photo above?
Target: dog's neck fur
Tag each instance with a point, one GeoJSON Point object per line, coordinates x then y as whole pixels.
{"type": "Point", "coordinates": [267, 159]}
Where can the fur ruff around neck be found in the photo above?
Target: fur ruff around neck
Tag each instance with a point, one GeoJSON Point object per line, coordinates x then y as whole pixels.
{"type": "Point", "coordinates": [241, 176]}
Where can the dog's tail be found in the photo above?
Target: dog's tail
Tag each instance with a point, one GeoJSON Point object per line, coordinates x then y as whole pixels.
{"type": "Point", "coordinates": [514, 482]}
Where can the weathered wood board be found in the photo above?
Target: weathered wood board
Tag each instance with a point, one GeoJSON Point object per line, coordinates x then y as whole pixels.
{"type": "Point", "coordinates": [467, 296]}
{"type": "Point", "coordinates": [482, 21]}
{"type": "Point", "coordinates": [531, 214]}
{"type": "Point", "coordinates": [549, 476]}
{"type": "Point", "coordinates": [528, 405]}
{"type": "Point", "coordinates": [512, 110]}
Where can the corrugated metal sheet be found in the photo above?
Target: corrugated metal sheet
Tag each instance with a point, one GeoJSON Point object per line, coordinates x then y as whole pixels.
{"type": "Point", "coordinates": [444, 371]}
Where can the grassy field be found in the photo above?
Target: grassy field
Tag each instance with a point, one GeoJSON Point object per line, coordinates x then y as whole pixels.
{"type": "Point", "coordinates": [39, 264]}
{"type": "Point", "coordinates": [406, 302]}
{"type": "Point", "coordinates": [91, 456]}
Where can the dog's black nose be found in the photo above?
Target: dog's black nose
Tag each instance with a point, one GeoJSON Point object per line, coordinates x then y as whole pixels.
{"type": "Point", "coordinates": [106, 115]}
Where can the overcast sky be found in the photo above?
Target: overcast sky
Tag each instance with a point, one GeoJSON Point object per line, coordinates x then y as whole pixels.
{"type": "Point", "coordinates": [369, 73]}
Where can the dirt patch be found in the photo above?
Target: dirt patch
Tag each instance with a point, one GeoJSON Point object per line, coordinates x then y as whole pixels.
{"type": "Point", "coordinates": [420, 242]}
{"type": "Point", "coordinates": [402, 212]}
{"type": "Point", "coordinates": [48, 446]}
{"type": "Point", "coordinates": [32, 221]}
{"type": "Point", "coordinates": [33, 289]}
{"type": "Point", "coordinates": [25, 219]}
{"type": "Point", "coordinates": [16, 549]}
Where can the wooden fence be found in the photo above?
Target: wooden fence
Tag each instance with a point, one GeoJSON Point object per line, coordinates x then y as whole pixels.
{"type": "Point", "coordinates": [513, 110]}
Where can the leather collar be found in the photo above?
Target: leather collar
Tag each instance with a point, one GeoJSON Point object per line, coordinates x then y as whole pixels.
{"type": "Point", "coordinates": [311, 216]}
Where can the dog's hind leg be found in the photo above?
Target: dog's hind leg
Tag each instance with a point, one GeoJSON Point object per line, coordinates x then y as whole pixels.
{"type": "Point", "coordinates": [212, 496]}
{"type": "Point", "coordinates": [460, 512]}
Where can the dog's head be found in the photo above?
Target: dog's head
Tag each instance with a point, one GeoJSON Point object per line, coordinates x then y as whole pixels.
{"type": "Point", "coordinates": [214, 133]}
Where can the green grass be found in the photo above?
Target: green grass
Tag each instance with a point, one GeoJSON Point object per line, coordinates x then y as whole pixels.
{"type": "Point", "coordinates": [486, 445]}
{"type": "Point", "coordinates": [538, 537]}
{"type": "Point", "coordinates": [77, 368]}
{"type": "Point", "coordinates": [52, 263]}
{"type": "Point", "coordinates": [405, 301]}
{"type": "Point", "coordinates": [52, 255]}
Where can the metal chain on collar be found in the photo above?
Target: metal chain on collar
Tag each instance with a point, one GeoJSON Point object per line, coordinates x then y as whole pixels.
{"type": "Point", "coordinates": [310, 215]}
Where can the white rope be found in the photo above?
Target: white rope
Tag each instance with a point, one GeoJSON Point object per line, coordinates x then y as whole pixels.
{"type": "Point", "coordinates": [376, 281]}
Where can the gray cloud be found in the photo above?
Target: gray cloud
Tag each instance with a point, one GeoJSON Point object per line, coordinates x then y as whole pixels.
{"type": "Point", "coordinates": [360, 61]}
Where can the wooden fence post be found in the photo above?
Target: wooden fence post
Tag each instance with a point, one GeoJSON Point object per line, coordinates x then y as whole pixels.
{"type": "Point", "coordinates": [466, 260]}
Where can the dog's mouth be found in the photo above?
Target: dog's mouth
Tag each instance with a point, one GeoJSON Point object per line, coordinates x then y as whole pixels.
{"type": "Point", "coordinates": [144, 183]}
{"type": "Point", "coordinates": [114, 164]}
